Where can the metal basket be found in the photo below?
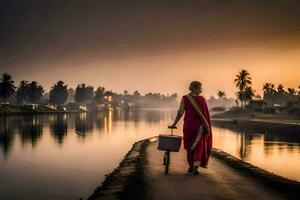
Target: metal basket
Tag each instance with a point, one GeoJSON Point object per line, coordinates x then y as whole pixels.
{"type": "Point", "coordinates": [168, 142]}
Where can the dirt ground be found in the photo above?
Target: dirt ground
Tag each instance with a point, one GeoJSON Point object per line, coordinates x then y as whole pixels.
{"type": "Point", "coordinates": [219, 181]}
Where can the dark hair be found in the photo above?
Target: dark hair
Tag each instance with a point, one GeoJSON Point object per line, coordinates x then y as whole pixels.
{"type": "Point", "coordinates": [195, 85]}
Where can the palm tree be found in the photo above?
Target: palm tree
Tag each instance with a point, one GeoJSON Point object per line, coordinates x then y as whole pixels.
{"type": "Point", "coordinates": [7, 87]}
{"type": "Point", "coordinates": [59, 93]}
{"type": "Point", "coordinates": [136, 93]}
{"type": "Point", "coordinates": [89, 92]}
{"type": "Point", "coordinates": [243, 80]}
{"type": "Point", "coordinates": [99, 94]}
{"type": "Point", "coordinates": [248, 94]}
{"type": "Point", "coordinates": [84, 93]}
{"type": "Point", "coordinates": [267, 87]}
{"type": "Point", "coordinates": [280, 89]}
{"type": "Point", "coordinates": [34, 92]}
{"type": "Point", "coordinates": [22, 92]}
{"type": "Point", "coordinates": [291, 91]}
{"type": "Point", "coordinates": [221, 94]}
{"type": "Point", "coordinates": [79, 93]}
{"type": "Point", "coordinates": [240, 97]}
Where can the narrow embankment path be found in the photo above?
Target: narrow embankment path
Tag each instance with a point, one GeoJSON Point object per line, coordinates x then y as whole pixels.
{"type": "Point", "coordinates": [219, 181]}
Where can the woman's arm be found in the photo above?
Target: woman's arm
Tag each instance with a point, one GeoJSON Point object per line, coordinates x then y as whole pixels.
{"type": "Point", "coordinates": [180, 112]}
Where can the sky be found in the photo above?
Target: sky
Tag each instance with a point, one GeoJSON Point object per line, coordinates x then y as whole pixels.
{"type": "Point", "coordinates": [151, 46]}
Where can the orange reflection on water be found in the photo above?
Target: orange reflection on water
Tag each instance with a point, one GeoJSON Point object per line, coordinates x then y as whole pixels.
{"type": "Point", "coordinates": [70, 154]}
{"type": "Point", "coordinates": [279, 157]}
{"type": "Point", "coordinates": [108, 122]}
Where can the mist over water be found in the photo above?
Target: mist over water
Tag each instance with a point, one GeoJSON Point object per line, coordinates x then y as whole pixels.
{"type": "Point", "coordinates": [66, 156]}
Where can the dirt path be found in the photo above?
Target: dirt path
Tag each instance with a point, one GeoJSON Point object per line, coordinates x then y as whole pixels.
{"type": "Point", "coordinates": [218, 182]}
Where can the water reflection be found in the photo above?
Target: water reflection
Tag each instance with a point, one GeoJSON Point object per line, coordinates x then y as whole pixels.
{"type": "Point", "coordinates": [275, 152]}
{"type": "Point", "coordinates": [73, 168]}
{"type": "Point", "coordinates": [6, 134]}
{"type": "Point", "coordinates": [84, 123]}
{"type": "Point", "coordinates": [91, 145]}
{"type": "Point", "coordinates": [108, 119]}
{"type": "Point", "coordinates": [59, 127]}
{"type": "Point", "coordinates": [30, 128]}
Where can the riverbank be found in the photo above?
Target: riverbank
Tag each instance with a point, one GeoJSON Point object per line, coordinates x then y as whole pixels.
{"type": "Point", "coordinates": [140, 176]}
{"type": "Point", "coordinates": [127, 181]}
{"type": "Point", "coordinates": [250, 115]}
{"type": "Point", "coordinates": [256, 122]}
{"type": "Point", "coordinates": [11, 110]}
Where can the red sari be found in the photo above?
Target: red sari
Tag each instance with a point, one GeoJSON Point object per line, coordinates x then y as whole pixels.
{"type": "Point", "coordinates": [197, 141]}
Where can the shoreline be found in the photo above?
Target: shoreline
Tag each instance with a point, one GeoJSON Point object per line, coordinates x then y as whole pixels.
{"type": "Point", "coordinates": [246, 122]}
{"type": "Point", "coordinates": [127, 181]}
{"type": "Point", "coordinates": [38, 113]}
{"type": "Point", "coordinates": [257, 125]}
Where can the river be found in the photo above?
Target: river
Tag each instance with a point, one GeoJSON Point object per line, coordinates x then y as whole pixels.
{"type": "Point", "coordinates": [66, 156]}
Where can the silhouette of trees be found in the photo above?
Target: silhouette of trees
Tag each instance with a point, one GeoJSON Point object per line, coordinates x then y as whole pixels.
{"type": "Point", "coordinates": [29, 91]}
{"type": "Point", "coordinates": [136, 94]}
{"type": "Point", "coordinates": [291, 91]}
{"type": "Point", "coordinates": [221, 94]}
{"type": "Point", "coordinates": [34, 92]}
{"type": "Point", "coordinates": [269, 88]}
{"type": "Point", "coordinates": [243, 80]}
{"type": "Point", "coordinates": [22, 92]}
{"type": "Point", "coordinates": [7, 87]}
{"type": "Point", "coordinates": [280, 89]}
{"type": "Point", "coordinates": [243, 83]}
{"type": "Point", "coordinates": [84, 93]}
{"type": "Point", "coordinates": [248, 94]}
{"type": "Point", "coordinates": [279, 95]}
{"type": "Point", "coordinates": [99, 94]}
{"type": "Point", "coordinates": [59, 93]}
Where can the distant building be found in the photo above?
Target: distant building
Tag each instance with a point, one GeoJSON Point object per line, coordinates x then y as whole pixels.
{"type": "Point", "coordinates": [51, 106]}
{"type": "Point", "coordinates": [83, 108]}
{"type": "Point", "coordinates": [276, 100]}
{"type": "Point", "coordinates": [258, 105]}
{"type": "Point", "coordinates": [31, 106]}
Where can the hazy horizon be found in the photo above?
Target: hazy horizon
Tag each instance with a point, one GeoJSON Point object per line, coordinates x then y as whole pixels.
{"type": "Point", "coordinates": [151, 46]}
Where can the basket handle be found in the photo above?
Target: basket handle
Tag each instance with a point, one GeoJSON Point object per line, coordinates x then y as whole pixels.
{"type": "Point", "coordinates": [172, 127]}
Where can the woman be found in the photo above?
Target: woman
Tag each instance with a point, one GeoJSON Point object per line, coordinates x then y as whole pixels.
{"type": "Point", "coordinates": [197, 135]}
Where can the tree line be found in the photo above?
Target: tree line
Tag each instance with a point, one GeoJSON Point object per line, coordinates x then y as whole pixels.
{"type": "Point", "coordinates": [33, 92]}
{"type": "Point", "coordinates": [245, 94]}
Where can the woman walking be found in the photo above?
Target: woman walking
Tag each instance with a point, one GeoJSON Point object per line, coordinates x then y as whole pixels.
{"type": "Point", "coordinates": [197, 135]}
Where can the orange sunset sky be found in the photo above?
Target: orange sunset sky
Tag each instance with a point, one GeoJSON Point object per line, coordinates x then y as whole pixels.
{"type": "Point", "coordinates": [152, 46]}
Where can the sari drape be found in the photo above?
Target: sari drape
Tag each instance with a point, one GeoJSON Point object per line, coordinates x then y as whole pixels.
{"type": "Point", "coordinates": [197, 135]}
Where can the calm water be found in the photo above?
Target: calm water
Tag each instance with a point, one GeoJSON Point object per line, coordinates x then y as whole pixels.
{"type": "Point", "coordinates": [67, 156]}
